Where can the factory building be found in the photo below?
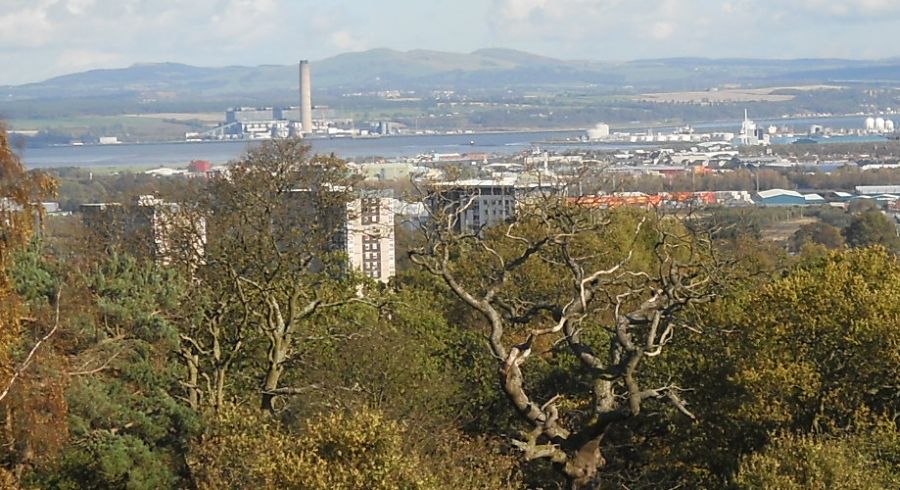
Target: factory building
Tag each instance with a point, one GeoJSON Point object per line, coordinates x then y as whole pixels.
{"type": "Point", "coordinates": [254, 123]}
{"type": "Point", "coordinates": [871, 190]}
{"type": "Point", "coordinates": [782, 197]}
{"type": "Point", "coordinates": [249, 114]}
{"type": "Point", "coordinates": [751, 134]}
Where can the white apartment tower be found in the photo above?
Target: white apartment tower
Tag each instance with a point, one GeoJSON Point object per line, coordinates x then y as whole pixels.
{"type": "Point", "coordinates": [370, 235]}
{"type": "Point", "coordinates": [362, 227]}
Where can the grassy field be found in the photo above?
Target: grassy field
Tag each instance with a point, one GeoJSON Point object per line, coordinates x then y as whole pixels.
{"type": "Point", "coordinates": [728, 95]}
{"type": "Point", "coordinates": [771, 94]}
{"type": "Point", "coordinates": [130, 128]}
{"type": "Point", "coordinates": [80, 122]}
{"type": "Point", "coordinates": [127, 169]}
{"type": "Point", "coordinates": [203, 117]}
{"type": "Point", "coordinates": [783, 230]}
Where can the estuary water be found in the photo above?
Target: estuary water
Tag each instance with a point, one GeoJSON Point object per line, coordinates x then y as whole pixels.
{"type": "Point", "coordinates": [218, 152]}
{"type": "Point", "coordinates": [180, 154]}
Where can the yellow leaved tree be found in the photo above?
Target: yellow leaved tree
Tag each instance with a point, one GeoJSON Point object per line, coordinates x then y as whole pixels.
{"type": "Point", "coordinates": [20, 211]}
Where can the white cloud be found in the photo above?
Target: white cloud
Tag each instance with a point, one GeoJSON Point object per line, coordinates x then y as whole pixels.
{"type": "Point", "coordinates": [535, 12]}
{"type": "Point", "coordinates": [618, 29]}
{"type": "Point", "coordinates": [520, 9]}
{"type": "Point", "coordinates": [135, 22]}
{"type": "Point", "coordinates": [42, 38]}
{"type": "Point", "coordinates": [662, 30]}
{"type": "Point", "coordinates": [339, 28]}
{"type": "Point", "coordinates": [79, 7]}
{"type": "Point", "coordinates": [80, 34]}
{"type": "Point", "coordinates": [28, 27]}
{"type": "Point", "coordinates": [244, 21]}
{"type": "Point", "coordinates": [345, 40]}
{"type": "Point", "coordinates": [847, 8]}
{"type": "Point", "coordinates": [570, 23]}
{"type": "Point", "coordinates": [81, 59]}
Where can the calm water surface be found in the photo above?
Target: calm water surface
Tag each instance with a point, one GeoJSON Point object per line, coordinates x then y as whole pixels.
{"type": "Point", "coordinates": [176, 154]}
{"type": "Point", "coordinates": [180, 154]}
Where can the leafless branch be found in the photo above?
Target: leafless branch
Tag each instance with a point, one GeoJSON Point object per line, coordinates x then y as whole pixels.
{"type": "Point", "coordinates": [104, 366]}
{"type": "Point", "coordinates": [30, 357]}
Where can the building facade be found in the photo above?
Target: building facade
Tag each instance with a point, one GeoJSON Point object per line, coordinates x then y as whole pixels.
{"type": "Point", "coordinates": [173, 232]}
{"type": "Point", "coordinates": [151, 227]}
{"type": "Point", "coordinates": [359, 225]}
{"type": "Point", "coordinates": [370, 240]}
{"type": "Point", "coordinates": [477, 204]}
{"type": "Point", "coordinates": [783, 197]}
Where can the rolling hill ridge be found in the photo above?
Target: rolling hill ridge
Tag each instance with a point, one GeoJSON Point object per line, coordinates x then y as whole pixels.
{"type": "Point", "coordinates": [485, 69]}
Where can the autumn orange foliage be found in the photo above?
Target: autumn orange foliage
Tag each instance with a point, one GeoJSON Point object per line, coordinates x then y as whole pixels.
{"type": "Point", "coordinates": [20, 211]}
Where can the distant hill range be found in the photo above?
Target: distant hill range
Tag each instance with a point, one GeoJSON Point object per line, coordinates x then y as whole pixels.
{"type": "Point", "coordinates": [486, 69]}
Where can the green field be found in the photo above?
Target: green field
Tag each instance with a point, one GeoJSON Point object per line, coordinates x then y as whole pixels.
{"type": "Point", "coordinates": [126, 128]}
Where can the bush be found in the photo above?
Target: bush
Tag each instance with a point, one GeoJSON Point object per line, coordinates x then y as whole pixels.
{"type": "Point", "coordinates": [107, 460]}
{"type": "Point", "coordinates": [359, 450]}
{"type": "Point", "coordinates": [872, 228]}
{"type": "Point", "coordinates": [817, 233]}
{"type": "Point", "coordinates": [362, 450]}
{"type": "Point", "coordinates": [810, 463]}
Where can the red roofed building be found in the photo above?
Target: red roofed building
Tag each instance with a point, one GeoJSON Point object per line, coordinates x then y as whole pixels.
{"type": "Point", "coordinates": [199, 166]}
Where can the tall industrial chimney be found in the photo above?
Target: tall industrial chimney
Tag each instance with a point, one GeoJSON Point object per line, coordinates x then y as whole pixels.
{"type": "Point", "coordinates": [305, 97]}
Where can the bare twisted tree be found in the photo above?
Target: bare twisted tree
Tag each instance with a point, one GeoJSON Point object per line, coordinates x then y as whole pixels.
{"type": "Point", "coordinates": [551, 275]}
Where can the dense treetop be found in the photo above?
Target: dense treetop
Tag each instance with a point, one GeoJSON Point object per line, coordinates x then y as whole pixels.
{"type": "Point", "coordinates": [568, 348]}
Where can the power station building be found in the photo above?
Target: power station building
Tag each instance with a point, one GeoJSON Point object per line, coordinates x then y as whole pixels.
{"type": "Point", "coordinates": [265, 123]}
{"type": "Point", "coordinates": [258, 123]}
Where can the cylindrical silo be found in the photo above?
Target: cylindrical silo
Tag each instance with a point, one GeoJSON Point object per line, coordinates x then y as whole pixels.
{"type": "Point", "coordinates": [870, 124]}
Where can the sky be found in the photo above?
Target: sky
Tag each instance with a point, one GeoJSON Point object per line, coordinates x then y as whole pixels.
{"type": "Point", "coordinates": [44, 38]}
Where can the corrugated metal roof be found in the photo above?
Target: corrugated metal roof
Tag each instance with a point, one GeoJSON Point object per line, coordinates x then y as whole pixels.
{"type": "Point", "coordinates": [878, 189]}
{"type": "Point", "coordinates": [778, 192]}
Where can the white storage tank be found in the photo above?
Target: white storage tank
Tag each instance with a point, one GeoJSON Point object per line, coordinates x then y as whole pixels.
{"type": "Point", "coordinates": [599, 132]}
{"type": "Point", "coordinates": [870, 124]}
